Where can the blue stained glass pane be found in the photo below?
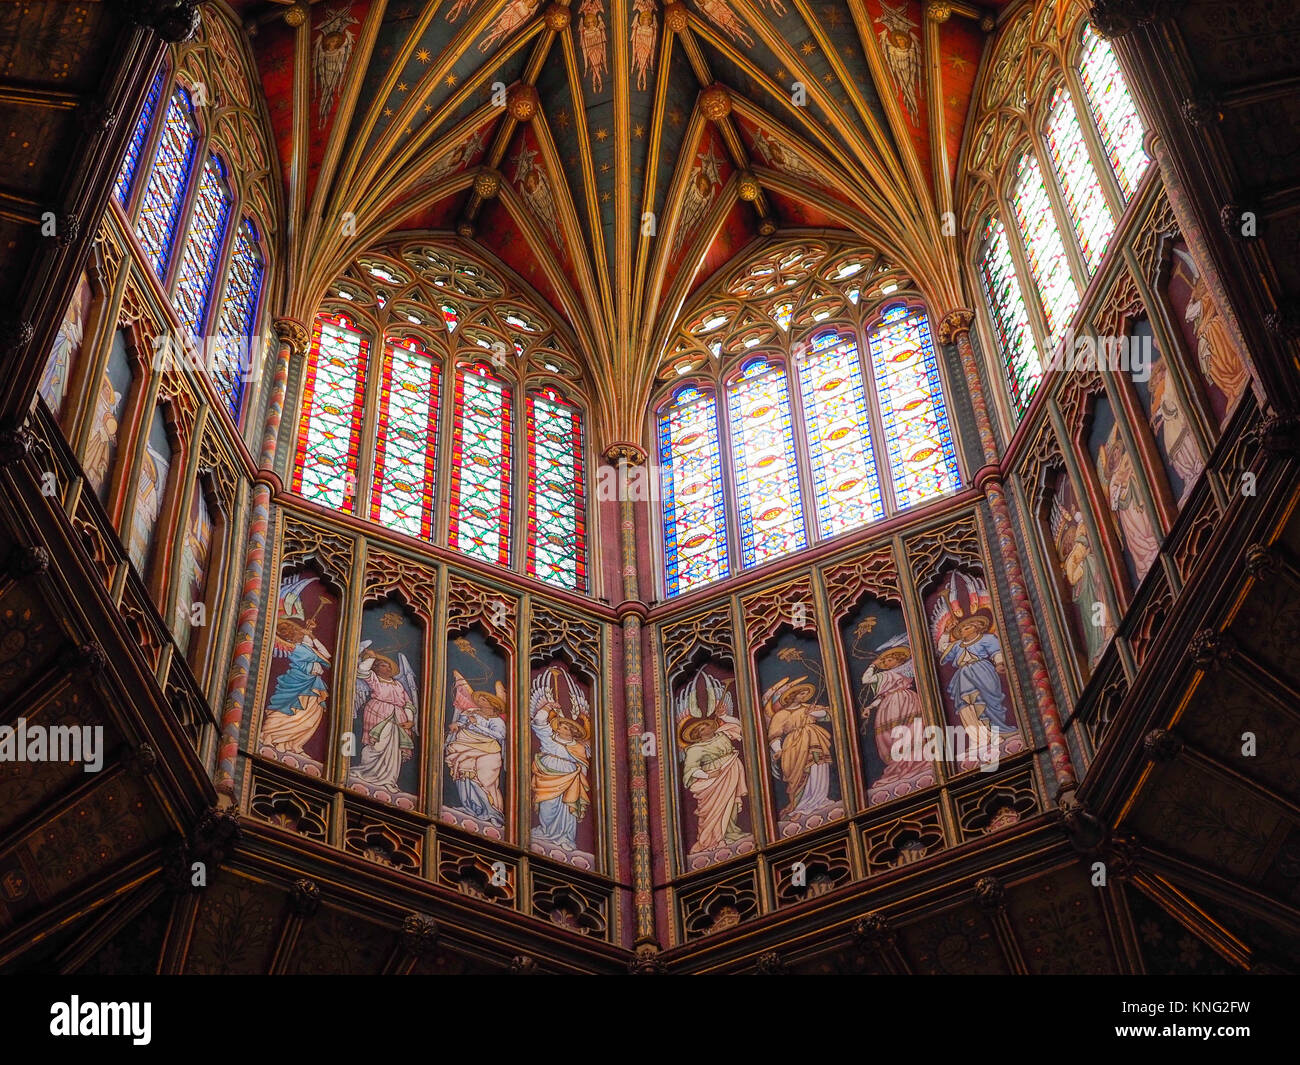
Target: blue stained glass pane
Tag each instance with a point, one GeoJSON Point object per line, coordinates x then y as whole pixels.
{"type": "Point", "coordinates": [846, 484]}
{"type": "Point", "coordinates": [767, 477]}
{"type": "Point", "coordinates": [695, 529]}
{"type": "Point", "coordinates": [238, 318]}
{"type": "Point", "coordinates": [202, 250]}
{"type": "Point", "coordinates": [164, 195]}
{"type": "Point", "coordinates": [922, 457]}
{"type": "Point", "coordinates": [126, 175]}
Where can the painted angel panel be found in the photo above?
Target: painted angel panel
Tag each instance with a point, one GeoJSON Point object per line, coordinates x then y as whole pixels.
{"type": "Point", "coordinates": [476, 745]}
{"type": "Point", "coordinates": [295, 726]}
{"type": "Point", "coordinates": [710, 744]}
{"type": "Point", "coordinates": [386, 706]}
{"type": "Point", "coordinates": [560, 716]}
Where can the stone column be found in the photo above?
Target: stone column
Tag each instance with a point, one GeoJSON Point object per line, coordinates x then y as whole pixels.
{"type": "Point", "coordinates": [632, 612]}
{"type": "Point", "coordinates": [291, 338]}
{"type": "Point", "coordinates": [955, 329]}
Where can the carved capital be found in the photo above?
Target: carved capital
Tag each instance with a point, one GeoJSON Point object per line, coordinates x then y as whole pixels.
{"type": "Point", "coordinates": [524, 965]}
{"type": "Point", "coordinates": [26, 560]}
{"type": "Point", "coordinates": [557, 18]}
{"type": "Point", "coordinates": [676, 17]}
{"type": "Point", "coordinates": [624, 452]}
{"type": "Point", "coordinates": [143, 761]}
{"type": "Point", "coordinates": [747, 187]}
{"type": "Point", "coordinates": [15, 334]}
{"type": "Point", "coordinates": [1240, 221]}
{"type": "Point", "coordinates": [419, 935]}
{"type": "Point", "coordinates": [173, 20]}
{"type": "Point", "coordinates": [990, 893]}
{"type": "Point", "coordinates": [770, 964]}
{"type": "Point", "coordinates": [953, 323]}
{"type": "Point", "coordinates": [487, 183]}
{"type": "Point", "coordinates": [1201, 110]}
{"type": "Point", "coordinates": [1262, 562]}
{"type": "Point", "coordinates": [465, 229]}
{"type": "Point", "coordinates": [1212, 650]}
{"type": "Point", "coordinates": [767, 227]}
{"type": "Point", "coordinates": [1086, 830]}
{"type": "Point", "coordinates": [1284, 322]}
{"type": "Point", "coordinates": [97, 119]}
{"type": "Point", "coordinates": [292, 334]}
{"type": "Point", "coordinates": [874, 932]}
{"type": "Point", "coordinates": [305, 898]}
{"type": "Point", "coordinates": [1161, 745]}
{"type": "Point", "coordinates": [647, 961]}
{"type": "Point", "coordinates": [938, 12]}
{"type": "Point", "coordinates": [1278, 434]}
{"type": "Point", "coordinates": [85, 660]}
{"type": "Point", "coordinates": [1115, 18]}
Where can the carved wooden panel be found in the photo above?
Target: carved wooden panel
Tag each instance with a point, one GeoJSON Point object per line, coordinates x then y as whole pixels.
{"type": "Point", "coordinates": [468, 605]}
{"type": "Point", "coordinates": [1122, 300]}
{"type": "Point", "coordinates": [983, 811]}
{"type": "Point", "coordinates": [295, 808]}
{"type": "Point", "coordinates": [383, 840]}
{"type": "Point", "coordinates": [788, 604]}
{"type": "Point", "coordinates": [809, 873]}
{"type": "Point", "coordinates": [1150, 617]}
{"type": "Point", "coordinates": [570, 904]}
{"type": "Point", "coordinates": [471, 872]}
{"type": "Point", "coordinates": [903, 839]}
{"type": "Point", "coordinates": [713, 631]}
{"type": "Point", "coordinates": [957, 541]}
{"type": "Point", "coordinates": [711, 908]}
{"type": "Point", "coordinates": [304, 541]}
{"type": "Point", "coordinates": [551, 630]}
{"type": "Point", "coordinates": [387, 573]}
{"type": "Point", "coordinates": [875, 573]}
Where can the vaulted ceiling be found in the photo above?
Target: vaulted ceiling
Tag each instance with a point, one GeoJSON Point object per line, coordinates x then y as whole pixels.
{"type": "Point", "coordinates": [616, 153]}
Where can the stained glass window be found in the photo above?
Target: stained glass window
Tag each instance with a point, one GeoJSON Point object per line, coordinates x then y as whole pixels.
{"type": "Point", "coordinates": [164, 195]}
{"type": "Point", "coordinates": [1084, 201]}
{"type": "Point", "coordinates": [1006, 304]}
{"type": "Point", "coordinates": [556, 522]}
{"type": "Point", "coordinates": [326, 468]}
{"type": "Point", "coordinates": [238, 319]}
{"type": "Point", "coordinates": [695, 529]}
{"type": "Point", "coordinates": [406, 445]}
{"type": "Point", "coordinates": [1043, 246]}
{"type": "Point", "coordinates": [480, 473]}
{"type": "Point", "coordinates": [767, 475]}
{"type": "Point", "coordinates": [202, 251]}
{"type": "Point", "coordinates": [1113, 110]}
{"type": "Point", "coordinates": [922, 457]}
{"type": "Point", "coordinates": [846, 484]}
{"type": "Point", "coordinates": [131, 161]}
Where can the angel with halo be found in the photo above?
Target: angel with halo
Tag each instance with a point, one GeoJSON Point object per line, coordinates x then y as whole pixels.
{"type": "Point", "coordinates": [387, 703]}
{"type": "Point", "coordinates": [297, 705]}
{"type": "Point", "coordinates": [711, 767]}
{"type": "Point", "coordinates": [475, 748]}
{"type": "Point", "coordinates": [561, 781]}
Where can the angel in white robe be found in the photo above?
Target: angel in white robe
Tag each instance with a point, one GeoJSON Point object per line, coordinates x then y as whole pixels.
{"type": "Point", "coordinates": [387, 703]}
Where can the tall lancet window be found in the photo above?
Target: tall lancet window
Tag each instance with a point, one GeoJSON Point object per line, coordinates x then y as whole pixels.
{"type": "Point", "coordinates": [1043, 246]}
{"type": "Point", "coordinates": [1113, 110]}
{"type": "Point", "coordinates": [695, 524]}
{"type": "Point", "coordinates": [846, 484]}
{"type": "Point", "coordinates": [557, 526]}
{"type": "Point", "coordinates": [1010, 316]}
{"type": "Point", "coordinates": [922, 457]}
{"type": "Point", "coordinates": [1084, 200]}
{"type": "Point", "coordinates": [197, 276]}
{"type": "Point", "coordinates": [767, 472]}
{"type": "Point", "coordinates": [126, 175]}
{"type": "Point", "coordinates": [406, 444]}
{"type": "Point", "coordinates": [164, 195]}
{"type": "Point", "coordinates": [480, 466]}
{"type": "Point", "coordinates": [329, 435]}
{"type": "Point", "coordinates": [238, 318]}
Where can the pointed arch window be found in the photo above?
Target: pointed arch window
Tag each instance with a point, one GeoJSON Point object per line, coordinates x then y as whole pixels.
{"type": "Point", "coordinates": [480, 473]}
{"type": "Point", "coordinates": [766, 469]}
{"type": "Point", "coordinates": [1006, 303]}
{"type": "Point", "coordinates": [406, 445]}
{"type": "Point", "coordinates": [1085, 202]}
{"type": "Point", "coordinates": [125, 183]}
{"type": "Point", "coordinates": [695, 529]}
{"type": "Point", "coordinates": [201, 253]}
{"type": "Point", "coordinates": [333, 395]}
{"type": "Point", "coordinates": [922, 456]}
{"type": "Point", "coordinates": [556, 492]}
{"type": "Point", "coordinates": [1044, 247]}
{"type": "Point", "coordinates": [846, 483]}
{"type": "Point", "coordinates": [164, 195]}
{"type": "Point", "coordinates": [1112, 109]}
{"type": "Point", "coordinates": [238, 319]}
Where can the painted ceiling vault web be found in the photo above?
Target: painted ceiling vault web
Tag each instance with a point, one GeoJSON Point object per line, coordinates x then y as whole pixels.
{"type": "Point", "coordinates": [616, 153]}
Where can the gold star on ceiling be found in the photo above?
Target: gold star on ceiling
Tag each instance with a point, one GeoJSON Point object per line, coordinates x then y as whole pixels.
{"type": "Point", "coordinates": [388, 112]}
{"type": "Point", "coordinates": [602, 134]}
{"type": "Point", "coordinates": [638, 131]}
{"type": "Point", "coordinates": [958, 62]}
{"type": "Point", "coordinates": [562, 118]}
{"type": "Point", "coordinates": [451, 80]}
{"type": "Point", "coordinates": [604, 197]}
{"type": "Point", "coordinates": [428, 109]}
{"type": "Point", "coordinates": [401, 86]}
{"type": "Point", "coordinates": [807, 48]}
{"type": "Point", "coordinates": [423, 55]}
{"type": "Point", "coordinates": [604, 168]}
{"type": "Point", "coordinates": [675, 116]}
{"type": "Point", "coordinates": [828, 78]}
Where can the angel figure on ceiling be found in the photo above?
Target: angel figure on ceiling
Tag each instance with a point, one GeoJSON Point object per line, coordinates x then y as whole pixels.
{"type": "Point", "coordinates": [457, 156]}
{"type": "Point", "coordinates": [779, 157]}
{"type": "Point", "coordinates": [330, 57]}
{"type": "Point", "coordinates": [645, 36]}
{"type": "Point", "coordinates": [514, 15]}
{"type": "Point", "coordinates": [901, 48]}
{"type": "Point", "coordinates": [592, 37]}
{"type": "Point", "coordinates": [386, 702]}
{"type": "Point", "coordinates": [720, 12]}
{"type": "Point", "coordinates": [535, 187]}
{"type": "Point", "coordinates": [701, 190]}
